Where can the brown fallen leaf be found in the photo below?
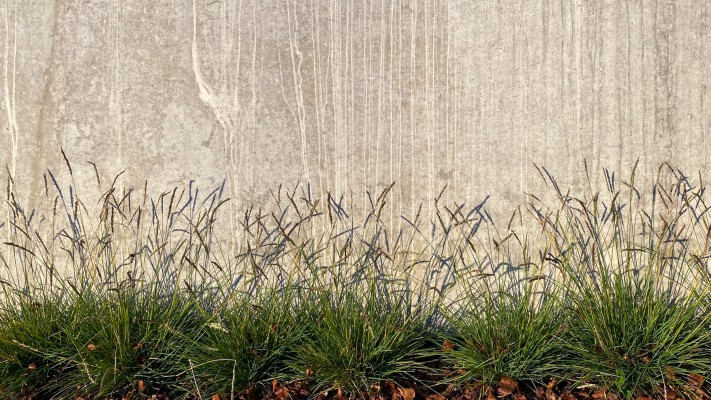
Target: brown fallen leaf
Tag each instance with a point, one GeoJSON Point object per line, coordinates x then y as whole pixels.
{"type": "Point", "coordinates": [251, 392]}
{"type": "Point", "coordinates": [376, 396]}
{"type": "Point", "coordinates": [447, 346]}
{"type": "Point", "coordinates": [279, 391]}
{"type": "Point", "coordinates": [407, 393]}
{"type": "Point", "coordinates": [506, 386]}
{"type": "Point", "coordinates": [694, 380]}
{"type": "Point", "coordinates": [599, 394]}
{"type": "Point", "coordinates": [375, 392]}
{"type": "Point", "coordinates": [490, 394]}
{"type": "Point", "coordinates": [390, 386]}
{"type": "Point", "coordinates": [300, 390]}
{"type": "Point", "coordinates": [550, 392]}
{"type": "Point", "coordinates": [130, 395]}
{"type": "Point", "coordinates": [91, 347]}
{"type": "Point", "coordinates": [141, 386]}
{"type": "Point", "coordinates": [32, 367]}
{"type": "Point", "coordinates": [216, 397]}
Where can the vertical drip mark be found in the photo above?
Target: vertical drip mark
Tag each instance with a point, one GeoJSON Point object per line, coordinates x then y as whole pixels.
{"type": "Point", "coordinates": [350, 79]}
{"type": "Point", "coordinates": [12, 126]}
{"type": "Point", "coordinates": [221, 107]}
{"type": "Point", "coordinates": [433, 96]}
{"type": "Point", "coordinates": [544, 57]}
{"type": "Point", "coordinates": [450, 165]}
{"type": "Point", "coordinates": [624, 130]}
{"type": "Point", "coordinates": [332, 65]}
{"type": "Point", "coordinates": [456, 95]}
{"type": "Point", "coordinates": [413, 99]}
{"type": "Point", "coordinates": [381, 76]}
{"type": "Point", "coordinates": [642, 90]}
{"type": "Point", "coordinates": [342, 79]}
{"type": "Point", "coordinates": [282, 88]}
{"type": "Point", "coordinates": [664, 15]}
{"type": "Point", "coordinates": [526, 85]}
{"type": "Point", "coordinates": [428, 108]}
{"type": "Point", "coordinates": [235, 155]}
{"type": "Point", "coordinates": [296, 61]}
{"type": "Point", "coordinates": [596, 86]}
{"type": "Point", "coordinates": [429, 125]}
{"type": "Point", "coordinates": [225, 53]}
{"type": "Point", "coordinates": [205, 91]}
{"type": "Point", "coordinates": [521, 53]}
{"type": "Point", "coordinates": [10, 104]}
{"type": "Point", "coordinates": [227, 38]}
{"type": "Point", "coordinates": [334, 69]}
{"type": "Point", "coordinates": [316, 49]}
{"type": "Point", "coordinates": [115, 103]}
{"type": "Point", "coordinates": [400, 107]}
{"type": "Point", "coordinates": [366, 109]}
{"type": "Point", "coordinates": [250, 151]}
{"type": "Point", "coordinates": [562, 94]}
{"type": "Point", "coordinates": [704, 108]}
{"type": "Point", "coordinates": [343, 132]}
{"type": "Point", "coordinates": [575, 61]}
{"type": "Point", "coordinates": [44, 128]}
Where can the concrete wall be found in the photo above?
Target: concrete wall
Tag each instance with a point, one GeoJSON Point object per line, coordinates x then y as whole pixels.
{"type": "Point", "coordinates": [353, 95]}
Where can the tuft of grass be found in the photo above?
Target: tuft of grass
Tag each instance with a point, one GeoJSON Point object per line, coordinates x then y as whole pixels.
{"type": "Point", "coordinates": [248, 340]}
{"type": "Point", "coordinates": [360, 333]}
{"type": "Point", "coordinates": [129, 339]}
{"type": "Point", "coordinates": [34, 346]}
{"type": "Point", "coordinates": [503, 325]}
{"type": "Point", "coordinates": [638, 319]}
{"type": "Point", "coordinates": [92, 305]}
{"type": "Point", "coordinates": [631, 339]}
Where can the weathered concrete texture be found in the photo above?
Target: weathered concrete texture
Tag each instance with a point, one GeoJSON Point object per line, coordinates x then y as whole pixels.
{"type": "Point", "coordinates": [353, 95]}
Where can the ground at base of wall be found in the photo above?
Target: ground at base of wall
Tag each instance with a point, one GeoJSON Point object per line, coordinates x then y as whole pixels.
{"type": "Point", "coordinates": [505, 389]}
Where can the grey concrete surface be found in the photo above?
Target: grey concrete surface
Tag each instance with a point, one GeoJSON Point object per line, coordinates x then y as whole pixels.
{"type": "Point", "coordinates": [353, 95]}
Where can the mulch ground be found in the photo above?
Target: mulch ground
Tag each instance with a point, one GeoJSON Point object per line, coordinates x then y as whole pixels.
{"type": "Point", "coordinates": [506, 389]}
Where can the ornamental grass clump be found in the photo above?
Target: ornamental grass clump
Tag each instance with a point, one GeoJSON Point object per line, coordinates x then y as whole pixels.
{"type": "Point", "coordinates": [504, 326]}
{"type": "Point", "coordinates": [636, 309]}
{"type": "Point", "coordinates": [361, 333]}
{"type": "Point", "coordinates": [248, 340]}
{"type": "Point", "coordinates": [129, 340]}
{"type": "Point", "coordinates": [609, 294]}
{"type": "Point", "coordinates": [95, 303]}
{"type": "Point", "coordinates": [34, 347]}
